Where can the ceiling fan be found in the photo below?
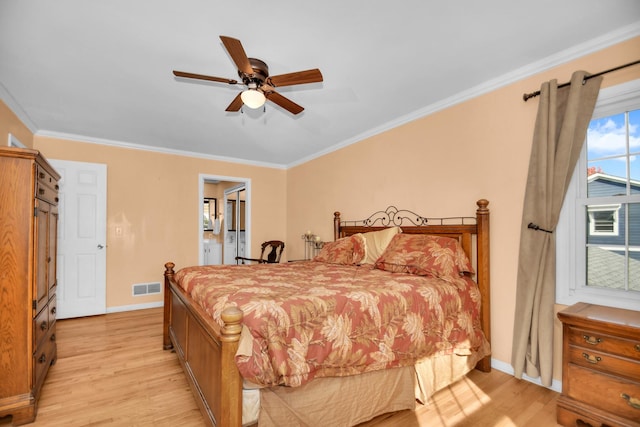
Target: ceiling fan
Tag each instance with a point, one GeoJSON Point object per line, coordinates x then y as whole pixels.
{"type": "Point", "coordinates": [254, 73]}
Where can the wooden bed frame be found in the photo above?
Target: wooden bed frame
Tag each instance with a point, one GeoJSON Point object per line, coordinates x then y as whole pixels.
{"type": "Point", "coordinates": [207, 351]}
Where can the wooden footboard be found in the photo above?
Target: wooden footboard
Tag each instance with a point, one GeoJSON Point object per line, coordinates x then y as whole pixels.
{"type": "Point", "coordinates": [206, 352]}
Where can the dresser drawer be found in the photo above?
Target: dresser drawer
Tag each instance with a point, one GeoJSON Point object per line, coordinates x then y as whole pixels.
{"type": "Point", "coordinates": [605, 362]}
{"type": "Point", "coordinates": [576, 414]}
{"type": "Point", "coordinates": [606, 392]}
{"type": "Point", "coordinates": [40, 326]}
{"type": "Point", "coordinates": [43, 357]}
{"type": "Point", "coordinates": [46, 193]}
{"type": "Point", "coordinates": [605, 343]}
{"type": "Point", "coordinates": [46, 178]}
{"type": "Point", "coordinates": [52, 310]}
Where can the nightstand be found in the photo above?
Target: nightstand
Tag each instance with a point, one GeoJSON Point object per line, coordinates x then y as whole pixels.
{"type": "Point", "coordinates": [600, 366]}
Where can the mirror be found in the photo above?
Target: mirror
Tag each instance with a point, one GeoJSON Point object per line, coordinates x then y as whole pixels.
{"type": "Point", "coordinates": [210, 213]}
{"type": "Point", "coordinates": [231, 213]}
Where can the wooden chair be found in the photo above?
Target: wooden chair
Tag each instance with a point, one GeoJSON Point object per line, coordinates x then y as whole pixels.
{"type": "Point", "coordinates": [273, 256]}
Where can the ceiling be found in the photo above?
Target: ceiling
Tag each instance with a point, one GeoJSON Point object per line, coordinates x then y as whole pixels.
{"type": "Point", "coordinates": [101, 71]}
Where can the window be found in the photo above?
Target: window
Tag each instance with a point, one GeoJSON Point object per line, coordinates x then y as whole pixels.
{"type": "Point", "coordinates": [603, 220]}
{"type": "Point", "coordinates": [598, 234]}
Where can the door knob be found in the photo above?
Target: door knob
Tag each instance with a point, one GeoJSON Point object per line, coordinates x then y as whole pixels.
{"type": "Point", "coordinates": [100, 246]}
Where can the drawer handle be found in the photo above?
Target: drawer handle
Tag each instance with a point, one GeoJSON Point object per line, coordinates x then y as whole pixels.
{"type": "Point", "coordinates": [43, 326]}
{"type": "Point", "coordinates": [591, 359]}
{"type": "Point", "coordinates": [591, 340]}
{"type": "Point", "coordinates": [632, 401]}
{"type": "Point", "coordinates": [53, 310]}
{"type": "Point", "coordinates": [41, 191]}
{"type": "Point", "coordinates": [42, 358]}
{"type": "Point", "coordinates": [637, 347]}
{"type": "Point", "coordinates": [53, 337]}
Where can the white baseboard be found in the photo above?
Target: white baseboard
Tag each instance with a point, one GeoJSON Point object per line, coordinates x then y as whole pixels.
{"type": "Point", "coordinates": [508, 369]}
{"type": "Point", "coordinates": [121, 308]}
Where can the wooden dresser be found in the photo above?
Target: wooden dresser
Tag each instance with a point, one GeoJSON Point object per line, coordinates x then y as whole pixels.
{"type": "Point", "coordinates": [600, 367]}
{"type": "Point", "coordinates": [28, 235]}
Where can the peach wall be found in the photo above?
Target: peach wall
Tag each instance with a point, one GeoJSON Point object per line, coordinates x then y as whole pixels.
{"type": "Point", "coordinates": [11, 124]}
{"type": "Point", "coordinates": [440, 165]}
{"type": "Point", "coordinates": [154, 198]}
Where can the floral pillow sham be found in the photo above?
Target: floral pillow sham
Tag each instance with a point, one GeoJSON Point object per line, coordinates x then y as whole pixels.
{"type": "Point", "coordinates": [424, 255]}
{"type": "Point", "coordinates": [346, 251]}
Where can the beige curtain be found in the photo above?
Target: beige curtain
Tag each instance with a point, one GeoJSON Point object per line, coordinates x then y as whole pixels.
{"type": "Point", "coordinates": [561, 126]}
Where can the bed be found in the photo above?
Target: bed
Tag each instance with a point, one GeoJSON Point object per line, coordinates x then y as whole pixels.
{"type": "Point", "coordinates": [280, 354]}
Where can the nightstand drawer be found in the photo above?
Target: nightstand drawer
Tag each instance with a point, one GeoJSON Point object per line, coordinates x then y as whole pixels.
{"type": "Point", "coordinates": [605, 343]}
{"type": "Point", "coordinates": [605, 362]}
{"type": "Point", "coordinates": [606, 392]}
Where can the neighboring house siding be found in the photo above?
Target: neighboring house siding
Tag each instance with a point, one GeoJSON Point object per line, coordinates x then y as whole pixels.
{"type": "Point", "coordinates": [602, 187]}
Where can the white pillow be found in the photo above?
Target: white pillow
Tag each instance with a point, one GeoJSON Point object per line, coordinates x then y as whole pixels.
{"type": "Point", "coordinates": [376, 242]}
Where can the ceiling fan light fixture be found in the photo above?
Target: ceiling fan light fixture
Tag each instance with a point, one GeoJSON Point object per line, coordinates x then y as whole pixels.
{"type": "Point", "coordinates": [253, 98]}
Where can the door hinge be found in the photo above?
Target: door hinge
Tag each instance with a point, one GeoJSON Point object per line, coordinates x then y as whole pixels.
{"type": "Point", "coordinates": [34, 304]}
{"type": "Point", "coordinates": [35, 211]}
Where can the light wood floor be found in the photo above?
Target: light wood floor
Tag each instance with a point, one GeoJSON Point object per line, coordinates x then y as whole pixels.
{"type": "Point", "coordinates": [111, 370]}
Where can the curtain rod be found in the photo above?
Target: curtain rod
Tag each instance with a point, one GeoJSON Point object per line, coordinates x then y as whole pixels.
{"type": "Point", "coordinates": [527, 96]}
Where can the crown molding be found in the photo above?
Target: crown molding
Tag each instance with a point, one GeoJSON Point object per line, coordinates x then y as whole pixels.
{"type": "Point", "coordinates": [128, 145]}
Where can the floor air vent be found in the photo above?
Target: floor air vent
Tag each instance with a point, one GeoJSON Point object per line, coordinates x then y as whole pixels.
{"type": "Point", "coordinates": [146, 289]}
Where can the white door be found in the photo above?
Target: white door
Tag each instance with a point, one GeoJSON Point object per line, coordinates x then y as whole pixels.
{"type": "Point", "coordinates": [82, 236]}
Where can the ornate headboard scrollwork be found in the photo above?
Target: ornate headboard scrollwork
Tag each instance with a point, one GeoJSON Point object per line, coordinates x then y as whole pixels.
{"type": "Point", "coordinates": [393, 216]}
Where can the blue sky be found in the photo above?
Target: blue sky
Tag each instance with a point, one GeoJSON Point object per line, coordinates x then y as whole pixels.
{"type": "Point", "coordinates": [606, 137]}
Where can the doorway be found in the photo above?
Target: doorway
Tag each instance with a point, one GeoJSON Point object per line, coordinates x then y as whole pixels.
{"type": "Point", "coordinates": [229, 234]}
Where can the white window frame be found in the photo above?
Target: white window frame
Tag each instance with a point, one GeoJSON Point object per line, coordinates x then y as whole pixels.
{"type": "Point", "coordinates": [614, 209]}
{"type": "Point", "coordinates": [570, 242]}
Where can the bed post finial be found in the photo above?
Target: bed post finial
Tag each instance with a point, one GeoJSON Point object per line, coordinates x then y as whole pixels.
{"type": "Point", "coordinates": [336, 225]}
{"type": "Point", "coordinates": [168, 276]}
{"type": "Point", "coordinates": [482, 220]}
{"type": "Point", "coordinates": [232, 318]}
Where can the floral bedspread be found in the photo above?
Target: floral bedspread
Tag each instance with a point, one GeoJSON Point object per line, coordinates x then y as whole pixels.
{"type": "Point", "coordinates": [313, 319]}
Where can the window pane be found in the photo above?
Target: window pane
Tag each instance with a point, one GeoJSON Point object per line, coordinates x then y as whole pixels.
{"type": "Point", "coordinates": [634, 246]}
{"type": "Point", "coordinates": [634, 149]}
{"type": "Point", "coordinates": [606, 137]}
{"type": "Point", "coordinates": [634, 163]}
{"type": "Point", "coordinates": [634, 227]}
{"type": "Point", "coordinates": [605, 268]}
{"type": "Point", "coordinates": [607, 178]}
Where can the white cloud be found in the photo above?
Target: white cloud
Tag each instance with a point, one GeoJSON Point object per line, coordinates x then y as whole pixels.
{"type": "Point", "coordinates": [606, 137]}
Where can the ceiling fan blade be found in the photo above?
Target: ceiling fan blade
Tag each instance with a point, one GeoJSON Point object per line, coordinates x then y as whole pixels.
{"type": "Point", "coordinates": [297, 78]}
{"type": "Point", "coordinates": [236, 104]}
{"type": "Point", "coordinates": [203, 77]}
{"type": "Point", "coordinates": [285, 103]}
{"type": "Point", "coordinates": [235, 49]}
